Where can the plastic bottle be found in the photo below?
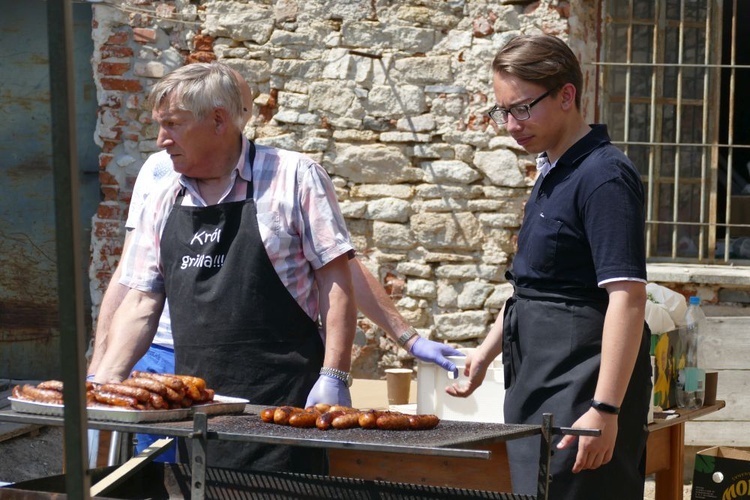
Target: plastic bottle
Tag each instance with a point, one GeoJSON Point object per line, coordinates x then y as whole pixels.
{"type": "Point", "coordinates": [690, 378]}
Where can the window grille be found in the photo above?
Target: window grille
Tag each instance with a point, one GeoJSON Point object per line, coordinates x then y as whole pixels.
{"type": "Point", "coordinates": [674, 76]}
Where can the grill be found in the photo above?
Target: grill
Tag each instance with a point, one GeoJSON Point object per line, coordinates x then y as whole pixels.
{"type": "Point", "coordinates": [198, 481]}
{"type": "Point", "coordinates": [163, 481]}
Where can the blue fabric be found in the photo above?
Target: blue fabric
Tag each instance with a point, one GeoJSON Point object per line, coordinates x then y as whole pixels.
{"type": "Point", "coordinates": [158, 359]}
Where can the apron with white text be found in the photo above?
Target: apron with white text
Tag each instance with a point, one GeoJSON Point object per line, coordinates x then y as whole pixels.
{"type": "Point", "coordinates": [236, 325]}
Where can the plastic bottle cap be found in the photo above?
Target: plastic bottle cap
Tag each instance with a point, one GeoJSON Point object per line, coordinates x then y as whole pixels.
{"type": "Point", "coordinates": [695, 301]}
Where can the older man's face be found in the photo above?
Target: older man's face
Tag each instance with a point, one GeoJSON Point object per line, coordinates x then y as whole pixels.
{"type": "Point", "coordinates": [191, 143]}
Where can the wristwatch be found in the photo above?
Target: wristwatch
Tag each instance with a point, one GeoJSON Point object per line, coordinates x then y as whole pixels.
{"type": "Point", "coordinates": [406, 336]}
{"type": "Point", "coordinates": [605, 407]}
{"type": "Point", "coordinates": [337, 374]}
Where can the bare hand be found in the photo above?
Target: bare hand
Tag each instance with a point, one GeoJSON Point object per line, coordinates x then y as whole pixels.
{"type": "Point", "coordinates": [475, 370]}
{"type": "Point", "coordinates": [593, 452]}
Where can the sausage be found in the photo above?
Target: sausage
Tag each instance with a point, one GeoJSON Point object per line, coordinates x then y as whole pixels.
{"type": "Point", "coordinates": [322, 407]}
{"type": "Point", "coordinates": [53, 385]}
{"type": "Point", "coordinates": [142, 395]}
{"type": "Point", "coordinates": [325, 420]}
{"type": "Point", "coordinates": [304, 419]}
{"type": "Point", "coordinates": [31, 393]}
{"type": "Point", "coordinates": [170, 381]}
{"type": "Point", "coordinates": [156, 401]}
{"type": "Point", "coordinates": [193, 386]}
{"type": "Point", "coordinates": [393, 421]}
{"type": "Point", "coordinates": [282, 413]}
{"type": "Point", "coordinates": [346, 421]}
{"type": "Point", "coordinates": [174, 396]}
{"type": "Point", "coordinates": [266, 415]}
{"type": "Point", "coordinates": [423, 422]}
{"type": "Point", "coordinates": [148, 384]}
{"type": "Point", "coordinates": [114, 399]}
{"type": "Point", "coordinates": [369, 419]}
{"type": "Point", "coordinates": [341, 408]}
{"type": "Point", "coordinates": [206, 395]}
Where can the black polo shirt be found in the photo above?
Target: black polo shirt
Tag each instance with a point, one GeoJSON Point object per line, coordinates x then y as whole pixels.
{"type": "Point", "coordinates": [584, 222]}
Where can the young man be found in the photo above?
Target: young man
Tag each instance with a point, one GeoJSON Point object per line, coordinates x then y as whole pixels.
{"type": "Point", "coordinates": [573, 336]}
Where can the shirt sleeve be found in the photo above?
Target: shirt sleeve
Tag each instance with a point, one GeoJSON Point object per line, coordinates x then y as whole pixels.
{"type": "Point", "coordinates": [141, 267]}
{"type": "Point", "coordinates": [615, 226]}
{"type": "Point", "coordinates": [156, 167]}
{"type": "Point", "coordinates": [322, 226]}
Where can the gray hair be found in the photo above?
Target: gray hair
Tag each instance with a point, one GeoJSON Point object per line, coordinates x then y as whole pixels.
{"type": "Point", "coordinates": [200, 88]}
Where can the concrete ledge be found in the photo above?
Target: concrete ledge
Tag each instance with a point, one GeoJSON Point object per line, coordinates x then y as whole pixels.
{"type": "Point", "coordinates": [699, 274]}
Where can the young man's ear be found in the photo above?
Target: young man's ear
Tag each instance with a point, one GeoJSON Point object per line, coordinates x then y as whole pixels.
{"type": "Point", "coordinates": [568, 94]}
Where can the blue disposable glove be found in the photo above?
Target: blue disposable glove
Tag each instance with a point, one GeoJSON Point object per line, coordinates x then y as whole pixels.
{"type": "Point", "coordinates": [435, 352]}
{"type": "Point", "coordinates": [329, 390]}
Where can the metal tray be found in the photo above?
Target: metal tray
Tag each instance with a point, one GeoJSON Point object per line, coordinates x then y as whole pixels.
{"type": "Point", "coordinates": [95, 413]}
{"type": "Point", "coordinates": [222, 405]}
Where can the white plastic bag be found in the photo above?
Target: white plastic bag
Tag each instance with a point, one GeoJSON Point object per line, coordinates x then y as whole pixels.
{"type": "Point", "coordinates": [665, 309]}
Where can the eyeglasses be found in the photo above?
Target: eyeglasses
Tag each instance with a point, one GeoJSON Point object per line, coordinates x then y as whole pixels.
{"type": "Point", "coordinates": [521, 112]}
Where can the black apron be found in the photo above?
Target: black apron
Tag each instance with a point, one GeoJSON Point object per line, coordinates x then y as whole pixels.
{"type": "Point", "coordinates": [237, 326]}
{"type": "Point", "coordinates": [551, 356]}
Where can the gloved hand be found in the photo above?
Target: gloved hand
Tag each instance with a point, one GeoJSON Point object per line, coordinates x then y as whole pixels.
{"type": "Point", "coordinates": [329, 390]}
{"type": "Point", "coordinates": [435, 352]}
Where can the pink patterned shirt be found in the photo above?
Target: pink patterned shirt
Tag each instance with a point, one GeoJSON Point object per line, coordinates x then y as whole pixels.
{"type": "Point", "coordinates": [300, 221]}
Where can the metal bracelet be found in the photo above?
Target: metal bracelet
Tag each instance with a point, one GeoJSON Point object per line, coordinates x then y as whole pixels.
{"type": "Point", "coordinates": [406, 336]}
{"type": "Point", "coordinates": [337, 374]}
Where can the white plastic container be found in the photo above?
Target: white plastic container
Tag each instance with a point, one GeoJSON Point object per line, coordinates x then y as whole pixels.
{"type": "Point", "coordinates": [484, 405]}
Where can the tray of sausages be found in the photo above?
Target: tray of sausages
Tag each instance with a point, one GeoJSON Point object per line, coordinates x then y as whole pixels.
{"type": "Point", "coordinates": [143, 397]}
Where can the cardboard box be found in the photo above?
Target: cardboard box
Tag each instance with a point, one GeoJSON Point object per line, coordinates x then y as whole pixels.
{"type": "Point", "coordinates": [721, 473]}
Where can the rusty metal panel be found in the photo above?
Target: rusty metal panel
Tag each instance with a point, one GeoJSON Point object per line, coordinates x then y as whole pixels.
{"type": "Point", "coordinates": [29, 324]}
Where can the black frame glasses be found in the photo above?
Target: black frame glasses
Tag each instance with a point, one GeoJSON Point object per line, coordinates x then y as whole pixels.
{"type": "Point", "coordinates": [522, 112]}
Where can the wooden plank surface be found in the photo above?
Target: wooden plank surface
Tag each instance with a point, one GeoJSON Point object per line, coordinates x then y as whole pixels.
{"type": "Point", "coordinates": [488, 475]}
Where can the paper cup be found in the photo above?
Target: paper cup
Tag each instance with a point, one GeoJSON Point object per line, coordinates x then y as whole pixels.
{"type": "Point", "coordinates": [399, 382]}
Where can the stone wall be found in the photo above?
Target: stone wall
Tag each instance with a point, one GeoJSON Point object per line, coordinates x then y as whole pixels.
{"type": "Point", "coordinates": [389, 96]}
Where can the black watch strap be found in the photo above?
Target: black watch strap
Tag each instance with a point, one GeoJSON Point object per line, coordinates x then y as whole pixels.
{"type": "Point", "coordinates": [605, 407]}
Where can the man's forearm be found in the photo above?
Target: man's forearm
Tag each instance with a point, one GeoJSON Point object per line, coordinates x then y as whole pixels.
{"type": "Point", "coordinates": [130, 335]}
{"type": "Point", "coordinates": [374, 302]}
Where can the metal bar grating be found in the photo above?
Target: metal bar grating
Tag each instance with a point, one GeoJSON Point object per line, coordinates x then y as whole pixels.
{"type": "Point", "coordinates": [669, 74]}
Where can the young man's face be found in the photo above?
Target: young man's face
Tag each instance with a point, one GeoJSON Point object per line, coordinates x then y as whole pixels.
{"type": "Point", "coordinates": [542, 129]}
{"type": "Point", "coordinates": [190, 142]}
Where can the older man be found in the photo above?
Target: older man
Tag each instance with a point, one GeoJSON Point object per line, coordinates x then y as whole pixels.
{"type": "Point", "coordinates": [250, 247]}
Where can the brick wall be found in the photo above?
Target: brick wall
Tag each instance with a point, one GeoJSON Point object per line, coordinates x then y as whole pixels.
{"type": "Point", "coordinates": [390, 97]}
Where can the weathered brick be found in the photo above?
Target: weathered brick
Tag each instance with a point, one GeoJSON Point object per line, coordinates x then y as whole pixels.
{"type": "Point", "coordinates": [122, 84]}
{"type": "Point", "coordinates": [109, 193]}
{"type": "Point", "coordinates": [115, 52]}
{"type": "Point", "coordinates": [117, 38]}
{"type": "Point", "coordinates": [109, 211]}
{"type": "Point", "coordinates": [108, 146]}
{"type": "Point", "coordinates": [144, 35]}
{"type": "Point", "coordinates": [106, 229]}
{"type": "Point", "coordinates": [105, 160]}
{"type": "Point", "coordinates": [107, 179]}
{"type": "Point", "coordinates": [200, 57]}
{"type": "Point", "coordinates": [203, 43]}
{"type": "Point", "coordinates": [111, 68]}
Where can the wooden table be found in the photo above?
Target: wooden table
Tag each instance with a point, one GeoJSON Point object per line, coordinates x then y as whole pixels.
{"type": "Point", "coordinates": [665, 450]}
{"type": "Point", "coordinates": [665, 455]}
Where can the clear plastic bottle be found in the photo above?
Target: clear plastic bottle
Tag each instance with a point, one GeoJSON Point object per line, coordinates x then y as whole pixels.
{"type": "Point", "coordinates": [690, 378]}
